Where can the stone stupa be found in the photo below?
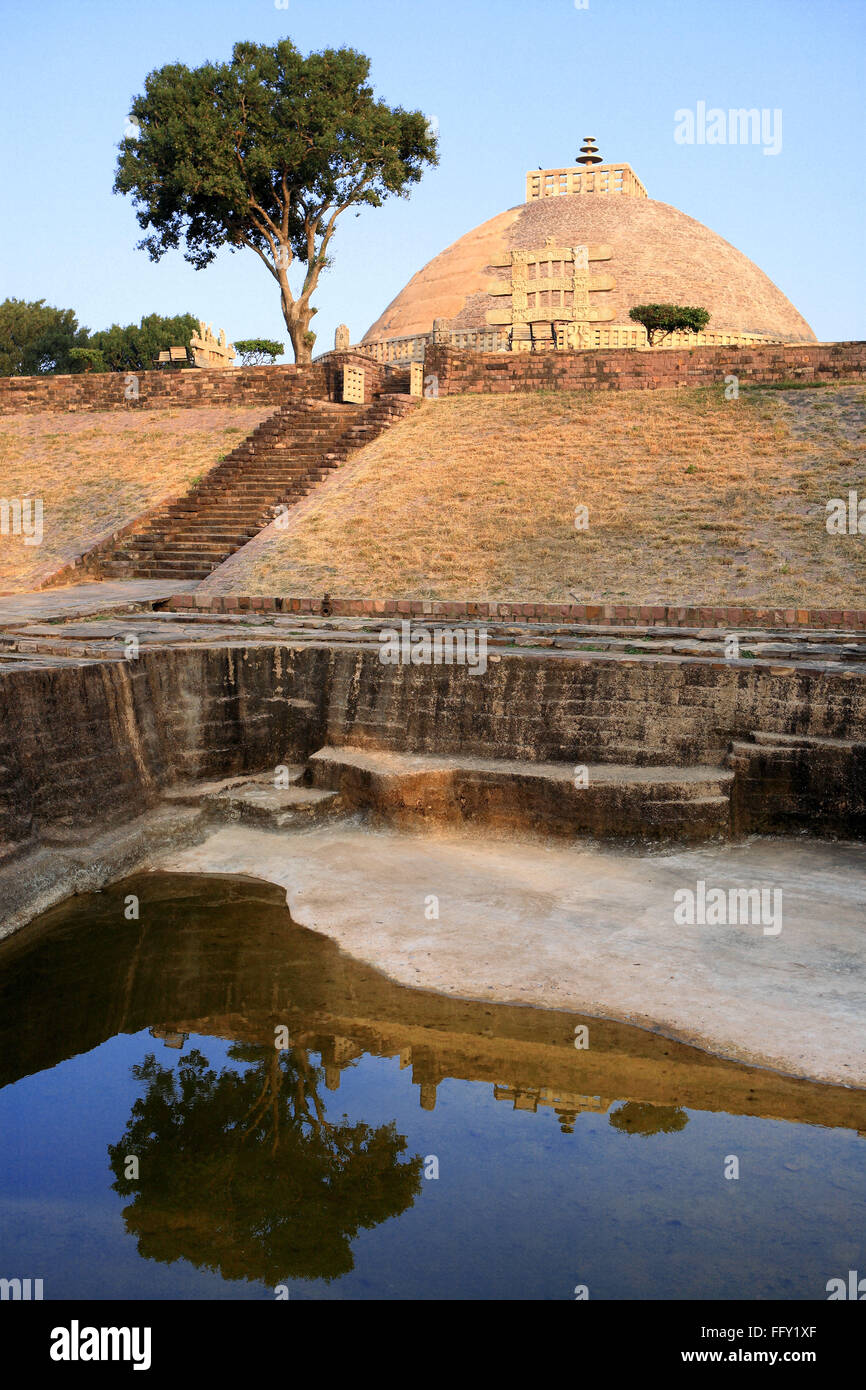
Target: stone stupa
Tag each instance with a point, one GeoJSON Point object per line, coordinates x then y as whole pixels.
{"type": "Point", "coordinates": [586, 246]}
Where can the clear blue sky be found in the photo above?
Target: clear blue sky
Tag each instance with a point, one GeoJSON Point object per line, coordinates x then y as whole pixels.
{"type": "Point", "coordinates": [514, 84]}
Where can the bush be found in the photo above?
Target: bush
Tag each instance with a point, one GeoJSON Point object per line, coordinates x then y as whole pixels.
{"type": "Point", "coordinates": [660, 320]}
{"type": "Point", "coordinates": [258, 352]}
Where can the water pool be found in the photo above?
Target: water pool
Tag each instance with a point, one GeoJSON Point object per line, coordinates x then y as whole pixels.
{"type": "Point", "coordinates": [207, 1101]}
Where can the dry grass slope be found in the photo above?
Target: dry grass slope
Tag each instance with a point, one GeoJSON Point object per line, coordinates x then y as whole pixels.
{"type": "Point", "coordinates": [691, 498]}
{"type": "Point", "coordinates": [97, 470]}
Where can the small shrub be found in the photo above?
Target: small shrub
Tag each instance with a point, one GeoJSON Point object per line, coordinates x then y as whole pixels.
{"type": "Point", "coordinates": [258, 352]}
{"type": "Point", "coordinates": [660, 320]}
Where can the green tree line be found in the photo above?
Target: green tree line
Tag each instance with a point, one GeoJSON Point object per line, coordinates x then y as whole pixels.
{"type": "Point", "coordinates": [36, 338]}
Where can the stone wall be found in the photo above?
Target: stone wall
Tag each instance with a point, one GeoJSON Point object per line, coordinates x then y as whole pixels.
{"type": "Point", "coordinates": [788, 783]}
{"type": "Point", "coordinates": [156, 389]}
{"type": "Point", "coordinates": [187, 388]}
{"type": "Point", "coordinates": [91, 745]}
{"type": "Point", "coordinates": [457, 372]}
{"type": "Point", "coordinates": [726, 618]}
{"type": "Point", "coordinates": [627, 370]}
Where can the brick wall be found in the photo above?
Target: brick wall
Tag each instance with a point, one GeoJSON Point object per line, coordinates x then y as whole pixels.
{"type": "Point", "coordinates": [625, 369]}
{"type": "Point", "coordinates": [724, 617]}
{"type": "Point", "coordinates": [186, 388]}
{"type": "Point", "coordinates": [458, 372]}
{"type": "Point", "coordinates": [192, 387]}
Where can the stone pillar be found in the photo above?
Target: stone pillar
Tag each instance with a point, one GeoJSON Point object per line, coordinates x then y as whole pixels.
{"type": "Point", "coordinates": [342, 339]}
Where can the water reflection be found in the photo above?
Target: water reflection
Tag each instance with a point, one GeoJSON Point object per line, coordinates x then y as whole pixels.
{"type": "Point", "coordinates": [259, 1164]}
{"type": "Point", "coordinates": [218, 957]}
{"type": "Point", "coordinates": [240, 1171]}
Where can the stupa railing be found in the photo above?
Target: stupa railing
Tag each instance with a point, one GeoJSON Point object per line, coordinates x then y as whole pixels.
{"type": "Point", "coordinates": [402, 351]}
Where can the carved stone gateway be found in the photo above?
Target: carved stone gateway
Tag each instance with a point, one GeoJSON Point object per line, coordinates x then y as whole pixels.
{"type": "Point", "coordinates": [552, 288]}
{"type": "Point", "coordinates": [208, 350]}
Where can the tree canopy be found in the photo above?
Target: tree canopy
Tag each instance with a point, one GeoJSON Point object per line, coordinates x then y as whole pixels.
{"type": "Point", "coordinates": [36, 338]}
{"type": "Point", "coordinates": [633, 1117]}
{"type": "Point", "coordinates": [660, 320]}
{"type": "Point", "coordinates": [133, 348]}
{"type": "Point", "coordinates": [266, 152]}
{"type": "Point", "coordinates": [257, 352]}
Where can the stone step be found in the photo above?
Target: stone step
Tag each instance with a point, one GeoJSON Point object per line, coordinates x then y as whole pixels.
{"type": "Point", "coordinates": [197, 536]}
{"type": "Point", "coordinates": [212, 534]}
{"type": "Point", "coordinates": [256, 800]}
{"type": "Point", "coordinates": [158, 569]}
{"type": "Point", "coordinates": [786, 782]}
{"type": "Point", "coordinates": [278, 464]}
{"type": "Point", "coordinates": [199, 554]}
{"type": "Point", "coordinates": [618, 801]}
{"type": "Point", "coordinates": [246, 490]}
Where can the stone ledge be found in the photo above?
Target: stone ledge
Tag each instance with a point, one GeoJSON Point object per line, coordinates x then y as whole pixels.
{"type": "Point", "coordinates": [729, 617]}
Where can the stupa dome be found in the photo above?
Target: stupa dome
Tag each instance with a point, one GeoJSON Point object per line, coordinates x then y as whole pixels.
{"type": "Point", "coordinates": [640, 251]}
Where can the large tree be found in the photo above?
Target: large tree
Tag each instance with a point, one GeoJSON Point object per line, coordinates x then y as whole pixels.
{"type": "Point", "coordinates": [37, 338]}
{"type": "Point", "coordinates": [266, 152]}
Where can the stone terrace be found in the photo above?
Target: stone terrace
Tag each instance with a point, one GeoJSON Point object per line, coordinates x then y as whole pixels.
{"type": "Point", "coordinates": [680, 739]}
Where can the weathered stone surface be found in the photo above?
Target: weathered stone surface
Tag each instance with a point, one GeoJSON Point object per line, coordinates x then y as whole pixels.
{"type": "Point", "coordinates": [35, 882]}
{"type": "Point", "coordinates": [584, 618]}
{"type": "Point", "coordinates": [785, 781]}
{"type": "Point", "coordinates": [510, 796]}
{"type": "Point", "coordinates": [94, 740]}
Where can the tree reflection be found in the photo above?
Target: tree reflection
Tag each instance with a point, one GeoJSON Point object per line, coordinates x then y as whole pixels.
{"type": "Point", "coordinates": [241, 1172]}
{"type": "Point", "coordinates": [635, 1118]}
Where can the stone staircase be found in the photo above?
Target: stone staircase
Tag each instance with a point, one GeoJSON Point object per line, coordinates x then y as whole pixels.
{"type": "Point", "coordinates": [412, 791]}
{"type": "Point", "coordinates": [277, 465]}
{"type": "Point", "coordinates": [790, 782]}
{"type": "Point", "coordinates": [605, 800]}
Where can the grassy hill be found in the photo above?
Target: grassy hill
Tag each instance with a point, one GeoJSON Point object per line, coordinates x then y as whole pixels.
{"type": "Point", "coordinates": [691, 499]}
{"type": "Point", "coordinates": [96, 470]}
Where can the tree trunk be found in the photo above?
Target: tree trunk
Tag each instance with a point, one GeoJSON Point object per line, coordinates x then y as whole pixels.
{"type": "Point", "coordinates": [297, 316]}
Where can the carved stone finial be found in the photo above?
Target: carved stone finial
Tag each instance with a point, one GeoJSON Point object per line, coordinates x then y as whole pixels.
{"type": "Point", "coordinates": [588, 152]}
